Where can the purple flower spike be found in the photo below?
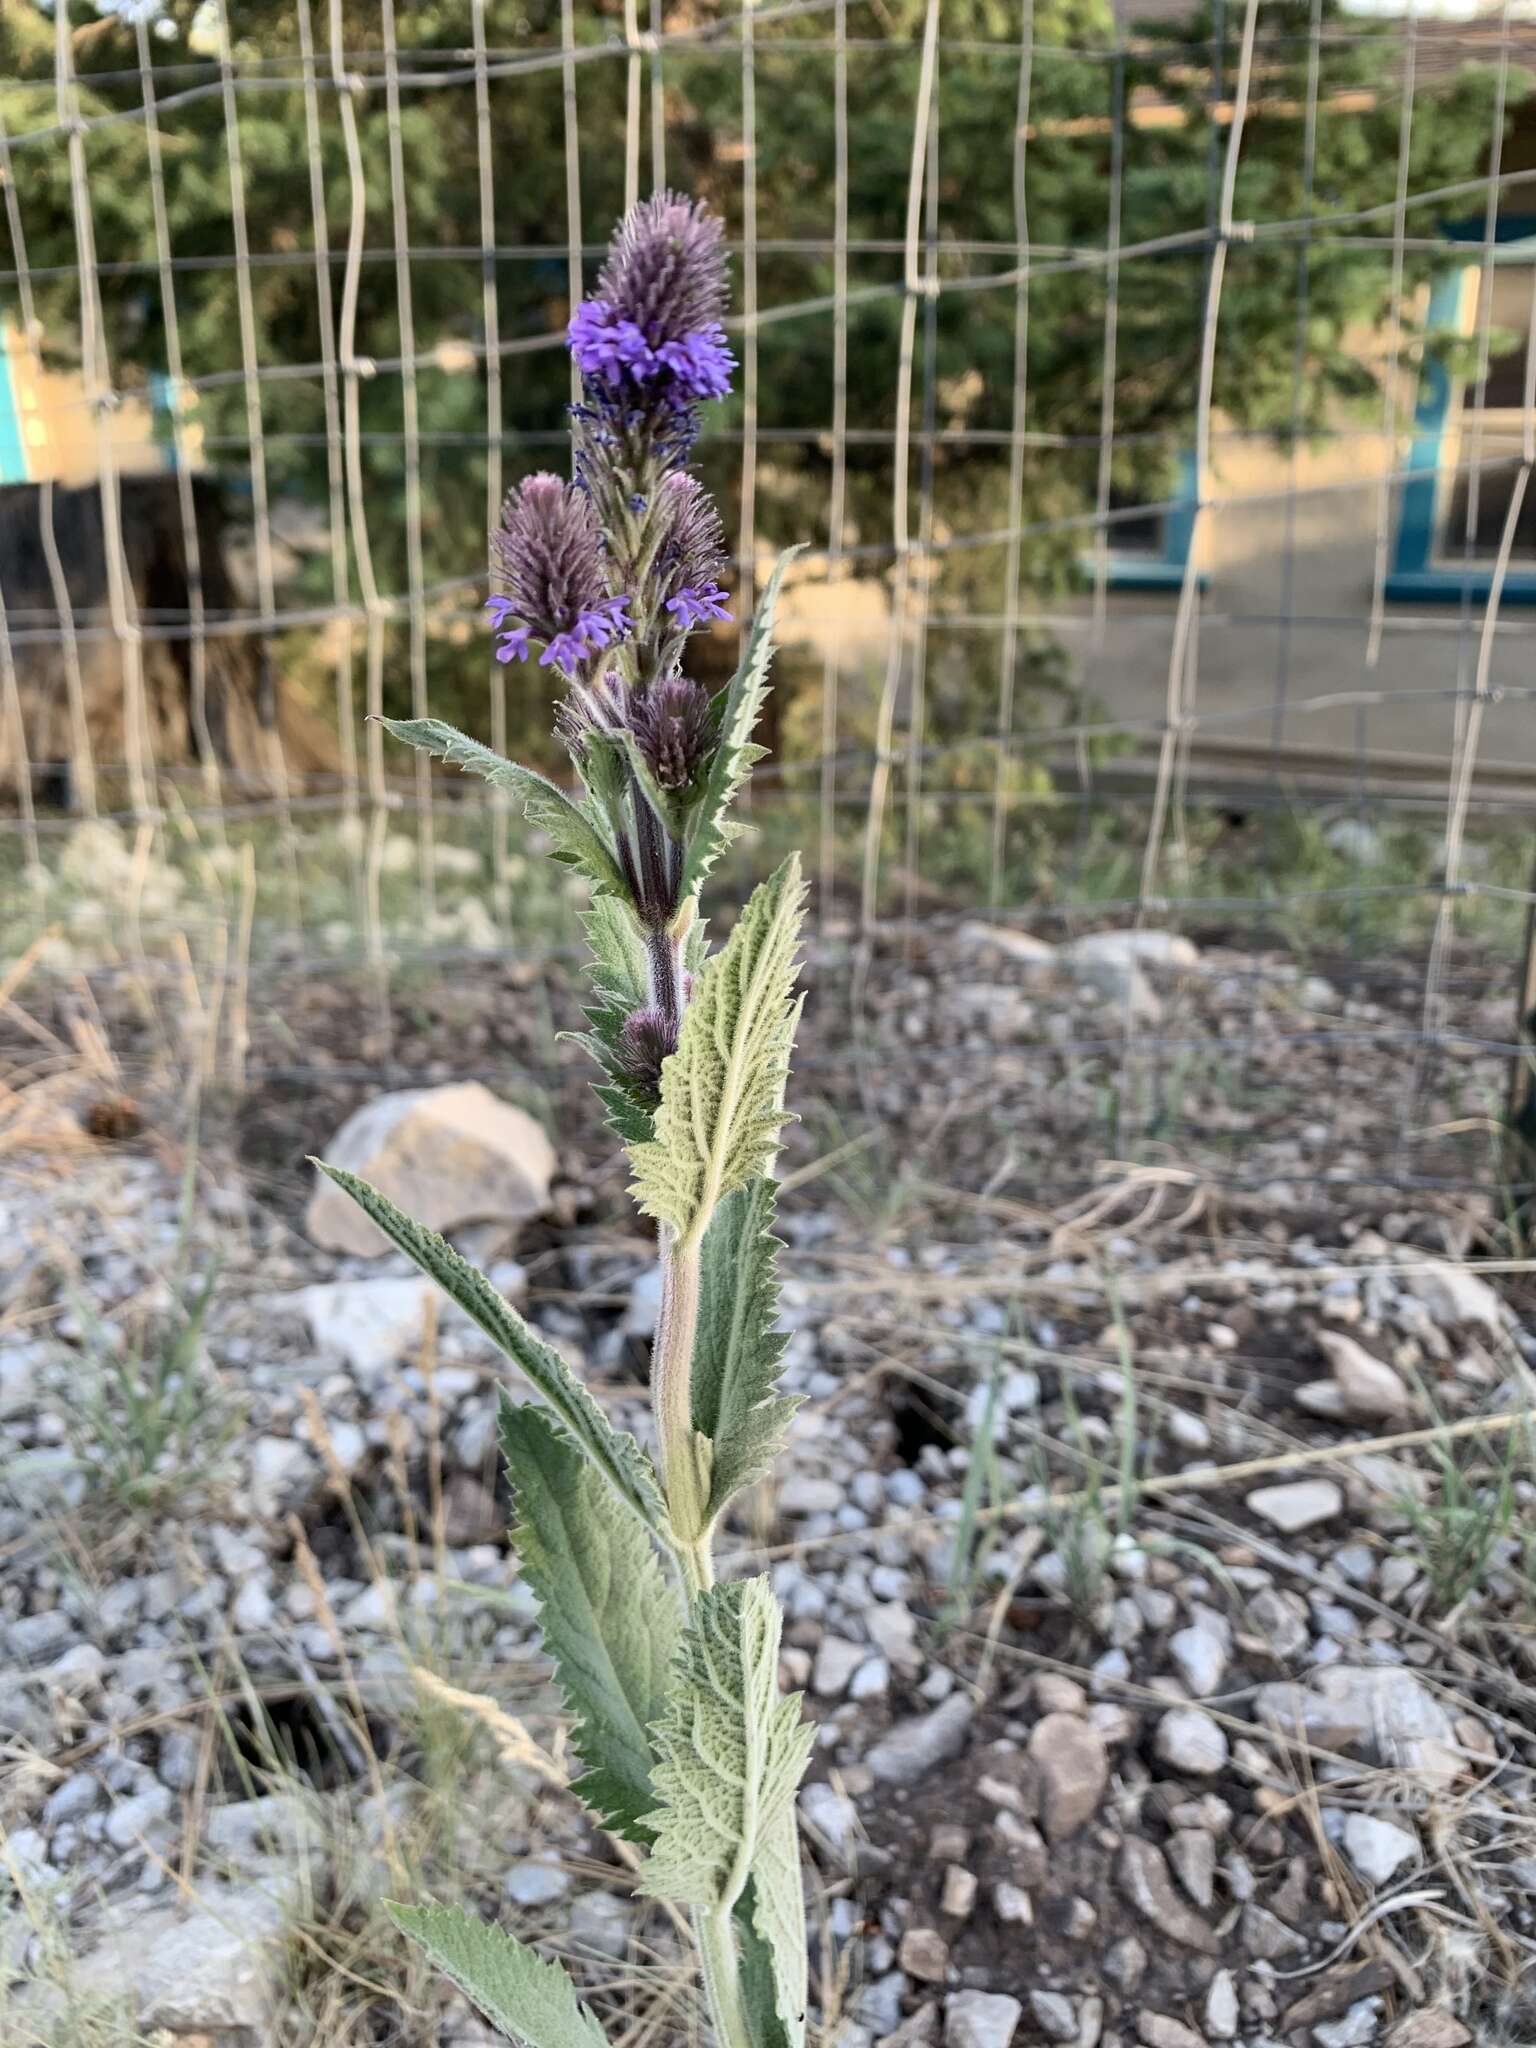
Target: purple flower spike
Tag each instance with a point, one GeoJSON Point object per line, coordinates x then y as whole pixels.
{"type": "Point", "coordinates": [549, 552]}
{"type": "Point", "coordinates": [654, 321]}
{"type": "Point", "coordinates": [693, 608]}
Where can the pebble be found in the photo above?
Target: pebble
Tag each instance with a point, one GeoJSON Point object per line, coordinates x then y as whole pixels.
{"type": "Point", "coordinates": [1301, 1505]}
{"type": "Point", "coordinates": [1069, 1753]}
{"type": "Point", "coordinates": [1378, 1849]}
{"type": "Point", "coordinates": [133, 1819]}
{"type": "Point", "coordinates": [959, 1894]}
{"type": "Point", "coordinates": [1221, 2016]}
{"type": "Point", "coordinates": [1125, 1964]}
{"type": "Point", "coordinates": [924, 1954]}
{"type": "Point", "coordinates": [535, 1884]}
{"type": "Point", "coordinates": [1188, 1740]}
{"type": "Point", "coordinates": [1358, 2026]}
{"type": "Point", "coordinates": [1159, 2030]}
{"type": "Point", "coordinates": [1369, 1387]}
{"type": "Point", "coordinates": [912, 1748]}
{"type": "Point", "coordinates": [800, 1495]}
{"type": "Point", "coordinates": [1192, 1852]}
{"type": "Point", "coordinates": [1431, 2028]}
{"type": "Point", "coordinates": [1054, 2015]}
{"type": "Point", "coordinates": [1144, 1878]}
{"type": "Point", "coordinates": [600, 1924]}
{"type": "Point", "coordinates": [836, 1662]}
{"type": "Point", "coordinates": [980, 2019]}
{"type": "Point", "coordinates": [1200, 1651]}
{"type": "Point", "coordinates": [1013, 1906]}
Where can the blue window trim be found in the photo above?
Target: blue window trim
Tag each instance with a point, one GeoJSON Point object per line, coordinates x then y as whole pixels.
{"type": "Point", "coordinates": [1416, 577]}
{"type": "Point", "coordinates": [13, 448]}
{"type": "Point", "coordinates": [1125, 570]}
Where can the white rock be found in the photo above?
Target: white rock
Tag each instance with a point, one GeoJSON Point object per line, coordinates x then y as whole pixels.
{"type": "Point", "coordinates": [536, 1884]}
{"type": "Point", "coordinates": [1354, 2029]}
{"type": "Point", "coordinates": [1387, 1710]}
{"type": "Point", "coordinates": [1221, 2015]}
{"type": "Point", "coordinates": [1189, 1740]}
{"type": "Point", "coordinates": [1370, 1388]}
{"type": "Point", "coordinates": [1035, 955]}
{"type": "Point", "coordinates": [253, 1607]}
{"type": "Point", "coordinates": [132, 1819]}
{"type": "Point", "coordinates": [836, 1662]}
{"type": "Point", "coordinates": [1054, 2015]}
{"type": "Point", "coordinates": [830, 1814]}
{"type": "Point", "coordinates": [980, 2019]}
{"type": "Point", "coordinates": [1201, 1650]}
{"type": "Point", "coordinates": [913, 1747]}
{"type": "Point", "coordinates": [1145, 948]}
{"type": "Point", "coordinates": [446, 1156]}
{"type": "Point", "coordinates": [1453, 1295]}
{"type": "Point", "coordinates": [1377, 1848]}
{"type": "Point", "coordinates": [280, 1470]}
{"type": "Point", "coordinates": [600, 1925]}
{"type": "Point", "coordinates": [1300, 1505]}
{"type": "Point", "coordinates": [802, 1494]}
{"type": "Point", "coordinates": [214, 1970]}
{"type": "Point", "coordinates": [372, 1324]}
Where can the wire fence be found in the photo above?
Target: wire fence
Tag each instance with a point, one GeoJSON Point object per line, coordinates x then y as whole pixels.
{"type": "Point", "coordinates": [1158, 397]}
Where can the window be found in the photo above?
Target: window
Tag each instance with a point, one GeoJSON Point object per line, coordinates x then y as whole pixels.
{"type": "Point", "coordinates": [1147, 547]}
{"type": "Point", "coordinates": [1467, 435]}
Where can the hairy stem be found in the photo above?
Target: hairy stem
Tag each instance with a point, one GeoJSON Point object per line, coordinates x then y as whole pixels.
{"type": "Point", "coordinates": [722, 1976]}
{"type": "Point", "coordinates": [672, 1396]}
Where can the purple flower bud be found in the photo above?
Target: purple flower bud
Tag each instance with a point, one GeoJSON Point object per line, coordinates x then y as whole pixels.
{"type": "Point", "coordinates": [646, 1037]}
{"type": "Point", "coordinates": [549, 554]}
{"type": "Point", "coordinates": [654, 321]}
{"type": "Point", "coordinates": [673, 730]}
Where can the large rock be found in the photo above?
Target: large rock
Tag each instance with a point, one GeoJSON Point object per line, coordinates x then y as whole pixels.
{"type": "Point", "coordinates": [446, 1156]}
{"type": "Point", "coordinates": [1368, 1386]}
{"type": "Point", "coordinates": [1453, 1295]}
{"type": "Point", "coordinates": [980, 2019]}
{"type": "Point", "coordinates": [1383, 1710]}
{"type": "Point", "coordinates": [214, 1969]}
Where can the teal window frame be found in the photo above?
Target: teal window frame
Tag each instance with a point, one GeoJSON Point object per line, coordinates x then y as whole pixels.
{"type": "Point", "coordinates": [1125, 569]}
{"type": "Point", "coordinates": [1417, 576]}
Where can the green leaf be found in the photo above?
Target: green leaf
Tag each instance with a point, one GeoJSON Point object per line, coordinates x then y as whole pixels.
{"type": "Point", "coordinates": [614, 1452]}
{"type": "Point", "coordinates": [737, 1352]}
{"type": "Point", "coordinates": [610, 1619]}
{"type": "Point", "coordinates": [531, 2001]}
{"type": "Point", "coordinates": [620, 986]}
{"type": "Point", "coordinates": [574, 838]}
{"type": "Point", "coordinates": [759, 1996]}
{"type": "Point", "coordinates": [732, 1751]}
{"type": "Point", "coordinates": [722, 1091]}
{"type": "Point", "coordinates": [710, 831]}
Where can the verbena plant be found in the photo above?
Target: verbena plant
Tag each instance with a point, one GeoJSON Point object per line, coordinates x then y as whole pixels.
{"type": "Point", "coordinates": [690, 1751]}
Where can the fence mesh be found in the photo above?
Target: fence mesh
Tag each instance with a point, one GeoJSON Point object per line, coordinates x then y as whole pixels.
{"type": "Point", "coordinates": [1158, 397]}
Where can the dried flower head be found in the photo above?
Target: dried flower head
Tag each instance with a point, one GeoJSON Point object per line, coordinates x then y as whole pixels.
{"type": "Point", "coordinates": [654, 322]}
{"type": "Point", "coordinates": [673, 730]}
{"type": "Point", "coordinates": [548, 551]}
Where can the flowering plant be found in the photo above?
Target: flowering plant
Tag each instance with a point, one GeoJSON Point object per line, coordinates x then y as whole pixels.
{"type": "Point", "coordinates": [672, 1680]}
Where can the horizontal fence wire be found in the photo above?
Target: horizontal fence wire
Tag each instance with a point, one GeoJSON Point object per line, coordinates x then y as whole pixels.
{"type": "Point", "coordinates": [269, 439]}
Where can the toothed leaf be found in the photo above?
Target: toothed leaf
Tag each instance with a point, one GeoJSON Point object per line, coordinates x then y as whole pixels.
{"type": "Point", "coordinates": [531, 2001]}
{"type": "Point", "coordinates": [709, 829]}
{"type": "Point", "coordinates": [732, 1752]}
{"type": "Point", "coordinates": [609, 1618]}
{"type": "Point", "coordinates": [574, 839]}
{"type": "Point", "coordinates": [614, 1452]}
{"type": "Point", "coordinates": [737, 1351]}
{"type": "Point", "coordinates": [722, 1091]}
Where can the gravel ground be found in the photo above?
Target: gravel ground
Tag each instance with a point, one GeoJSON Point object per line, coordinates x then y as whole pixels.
{"type": "Point", "coordinates": [1164, 1696]}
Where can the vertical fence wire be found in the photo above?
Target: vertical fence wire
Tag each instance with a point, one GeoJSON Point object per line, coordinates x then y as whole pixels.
{"type": "Point", "coordinates": [831, 667]}
{"type": "Point", "coordinates": [490, 326]}
{"type": "Point", "coordinates": [1389, 392]}
{"type": "Point", "coordinates": [746, 532]}
{"type": "Point", "coordinates": [1013, 560]}
{"type": "Point", "coordinates": [410, 410]}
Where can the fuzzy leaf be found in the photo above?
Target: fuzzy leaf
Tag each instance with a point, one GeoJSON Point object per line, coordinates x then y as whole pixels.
{"type": "Point", "coordinates": [609, 1618]}
{"type": "Point", "coordinates": [574, 839]}
{"type": "Point", "coordinates": [737, 1351]}
{"type": "Point", "coordinates": [531, 2001]}
{"type": "Point", "coordinates": [732, 1752]}
{"type": "Point", "coordinates": [619, 985]}
{"type": "Point", "coordinates": [710, 831]}
{"type": "Point", "coordinates": [722, 1091]}
{"type": "Point", "coordinates": [759, 1995]}
{"type": "Point", "coordinates": [614, 1452]}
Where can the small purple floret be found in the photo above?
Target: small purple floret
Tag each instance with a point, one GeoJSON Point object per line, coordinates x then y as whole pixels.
{"type": "Point", "coordinates": [701, 607]}
{"type": "Point", "coordinates": [597, 627]}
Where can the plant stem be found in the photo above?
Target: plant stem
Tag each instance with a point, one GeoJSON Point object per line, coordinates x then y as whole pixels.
{"type": "Point", "coordinates": [722, 1978]}
{"type": "Point", "coordinates": [672, 1394]}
